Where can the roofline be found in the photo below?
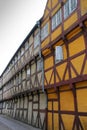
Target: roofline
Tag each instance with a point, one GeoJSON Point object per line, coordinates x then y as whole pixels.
{"type": "Point", "coordinates": [32, 30]}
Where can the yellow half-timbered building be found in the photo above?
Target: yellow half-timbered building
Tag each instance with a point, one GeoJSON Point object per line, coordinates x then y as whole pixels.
{"type": "Point", "coordinates": [45, 82]}
{"type": "Point", "coordinates": [65, 64]}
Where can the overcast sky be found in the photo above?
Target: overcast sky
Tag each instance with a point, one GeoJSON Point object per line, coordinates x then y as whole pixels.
{"type": "Point", "coordinates": [17, 18]}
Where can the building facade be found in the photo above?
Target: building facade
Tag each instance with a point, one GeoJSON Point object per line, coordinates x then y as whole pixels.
{"type": "Point", "coordinates": [45, 83]}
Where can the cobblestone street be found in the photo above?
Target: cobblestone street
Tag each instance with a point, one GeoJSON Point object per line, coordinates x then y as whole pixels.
{"type": "Point", "coordinates": [7, 123]}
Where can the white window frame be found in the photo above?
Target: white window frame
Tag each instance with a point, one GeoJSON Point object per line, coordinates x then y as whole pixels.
{"type": "Point", "coordinates": [37, 40]}
{"type": "Point", "coordinates": [58, 54]}
{"type": "Point", "coordinates": [56, 19]}
{"type": "Point", "coordinates": [28, 72]}
{"type": "Point", "coordinates": [68, 8]}
{"type": "Point", "coordinates": [44, 32]}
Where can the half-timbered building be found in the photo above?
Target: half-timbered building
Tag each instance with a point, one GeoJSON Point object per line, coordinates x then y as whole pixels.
{"type": "Point", "coordinates": [45, 83]}
{"type": "Point", "coordinates": [65, 64]}
{"type": "Point", "coordinates": [22, 83]}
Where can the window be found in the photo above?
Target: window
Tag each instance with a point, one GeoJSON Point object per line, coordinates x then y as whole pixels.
{"type": "Point", "coordinates": [23, 74]}
{"type": "Point", "coordinates": [69, 7]}
{"type": "Point", "coordinates": [15, 59]}
{"type": "Point", "coordinates": [44, 32]}
{"type": "Point", "coordinates": [56, 19]}
{"type": "Point", "coordinates": [19, 55]}
{"type": "Point", "coordinates": [58, 53]}
{"type": "Point", "coordinates": [19, 77]}
{"type": "Point", "coordinates": [26, 45]}
{"type": "Point", "coordinates": [36, 40]}
{"type": "Point", "coordinates": [39, 65]}
{"type": "Point", "coordinates": [28, 72]}
{"type": "Point", "coordinates": [22, 51]}
{"type": "Point", "coordinates": [73, 4]}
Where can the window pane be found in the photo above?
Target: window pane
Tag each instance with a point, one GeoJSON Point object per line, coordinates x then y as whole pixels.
{"type": "Point", "coordinates": [28, 72]}
{"type": "Point", "coordinates": [66, 9]}
{"type": "Point", "coordinates": [39, 65]}
{"type": "Point", "coordinates": [19, 55]}
{"type": "Point", "coordinates": [26, 46]}
{"type": "Point", "coordinates": [58, 17]}
{"type": "Point", "coordinates": [36, 40]}
{"type": "Point", "coordinates": [44, 32]}
{"type": "Point", "coordinates": [56, 20]}
{"type": "Point", "coordinates": [22, 51]}
{"type": "Point", "coordinates": [73, 4]}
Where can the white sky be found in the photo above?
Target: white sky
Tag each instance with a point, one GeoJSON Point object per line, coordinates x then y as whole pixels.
{"type": "Point", "coordinates": [17, 18]}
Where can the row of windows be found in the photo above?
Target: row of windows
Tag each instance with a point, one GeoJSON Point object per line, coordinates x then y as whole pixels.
{"type": "Point", "coordinates": [69, 7]}
{"type": "Point", "coordinates": [22, 75]}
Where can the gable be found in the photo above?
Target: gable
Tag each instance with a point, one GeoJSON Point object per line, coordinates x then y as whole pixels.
{"type": "Point", "coordinates": [49, 6]}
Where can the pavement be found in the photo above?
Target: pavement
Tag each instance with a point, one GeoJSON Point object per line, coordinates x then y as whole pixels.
{"type": "Point", "coordinates": [6, 123]}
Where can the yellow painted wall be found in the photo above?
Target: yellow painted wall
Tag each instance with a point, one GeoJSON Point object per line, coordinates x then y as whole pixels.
{"type": "Point", "coordinates": [73, 33]}
{"type": "Point", "coordinates": [68, 121]}
{"type": "Point", "coordinates": [83, 120]}
{"type": "Point", "coordinates": [83, 7]}
{"type": "Point", "coordinates": [82, 99]}
{"type": "Point", "coordinates": [56, 33]}
{"type": "Point", "coordinates": [45, 42]}
{"type": "Point", "coordinates": [67, 105]}
{"type": "Point", "coordinates": [54, 2]}
{"type": "Point", "coordinates": [77, 63]}
{"type": "Point", "coordinates": [67, 101]}
{"type": "Point", "coordinates": [58, 6]}
{"type": "Point", "coordinates": [49, 76]}
{"type": "Point", "coordinates": [70, 21]}
{"type": "Point", "coordinates": [81, 84]}
{"type": "Point", "coordinates": [76, 46]}
{"type": "Point", "coordinates": [61, 69]}
{"type": "Point", "coordinates": [48, 62]}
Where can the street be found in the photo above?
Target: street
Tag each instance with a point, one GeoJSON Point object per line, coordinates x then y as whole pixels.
{"type": "Point", "coordinates": [7, 123]}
